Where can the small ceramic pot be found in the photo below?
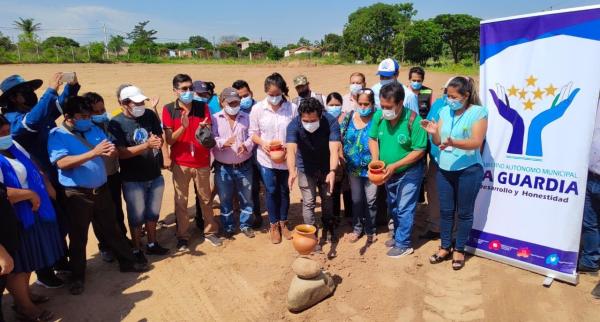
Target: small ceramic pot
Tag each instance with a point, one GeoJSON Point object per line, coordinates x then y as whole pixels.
{"type": "Point", "coordinates": [304, 239]}
{"type": "Point", "coordinates": [376, 172]}
{"type": "Point", "coordinates": [277, 153]}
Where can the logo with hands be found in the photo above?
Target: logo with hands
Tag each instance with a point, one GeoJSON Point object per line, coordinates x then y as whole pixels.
{"type": "Point", "coordinates": [528, 97]}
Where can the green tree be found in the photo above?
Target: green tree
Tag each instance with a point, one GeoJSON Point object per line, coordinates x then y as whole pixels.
{"type": "Point", "coordinates": [141, 38]}
{"type": "Point", "coordinates": [303, 42]}
{"type": "Point", "coordinates": [228, 50]}
{"type": "Point", "coordinates": [370, 31]}
{"type": "Point", "coordinates": [423, 41]}
{"type": "Point", "coordinates": [28, 29]}
{"type": "Point", "coordinates": [5, 42]}
{"type": "Point", "coordinates": [460, 33]}
{"type": "Point", "coordinates": [61, 42]}
{"type": "Point", "coordinates": [332, 42]}
{"type": "Point", "coordinates": [117, 43]}
{"type": "Point", "coordinates": [259, 47]}
{"type": "Point", "coordinates": [274, 53]}
{"type": "Point", "coordinates": [200, 42]}
{"type": "Point", "coordinates": [243, 38]}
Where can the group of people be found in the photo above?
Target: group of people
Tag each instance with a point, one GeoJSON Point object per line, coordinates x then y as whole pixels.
{"type": "Point", "coordinates": [57, 179]}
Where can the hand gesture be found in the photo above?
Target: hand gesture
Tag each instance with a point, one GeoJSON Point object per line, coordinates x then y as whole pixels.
{"type": "Point", "coordinates": [185, 120]}
{"type": "Point", "coordinates": [154, 102]}
{"type": "Point", "coordinates": [229, 142]}
{"type": "Point", "coordinates": [242, 150]}
{"type": "Point", "coordinates": [430, 126]}
{"type": "Point", "coordinates": [389, 171]}
{"type": "Point", "coordinates": [55, 81]}
{"type": "Point", "coordinates": [75, 80]}
{"type": "Point", "coordinates": [154, 142]}
{"type": "Point", "coordinates": [447, 143]}
{"type": "Point", "coordinates": [103, 148]}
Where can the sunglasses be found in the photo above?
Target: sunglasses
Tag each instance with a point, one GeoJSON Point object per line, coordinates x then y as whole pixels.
{"type": "Point", "coordinates": [186, 88]}
{"type": "Point", "coordinates": [365, 91]}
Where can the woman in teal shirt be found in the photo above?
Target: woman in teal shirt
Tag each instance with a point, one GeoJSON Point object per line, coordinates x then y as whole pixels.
{"type": "Point", "coordinates": [355, 140]}
{"type": "Point", "coordinates": [459, 134]}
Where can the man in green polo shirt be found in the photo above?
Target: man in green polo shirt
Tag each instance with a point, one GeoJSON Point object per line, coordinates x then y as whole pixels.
{"type": "Point", "coordinates": [397, 139]}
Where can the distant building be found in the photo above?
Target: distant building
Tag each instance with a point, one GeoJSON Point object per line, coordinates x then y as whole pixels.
{"type": "Point", "coordinates": [243, 45]}
{"type": "Point", "coordinates": [300, 50]}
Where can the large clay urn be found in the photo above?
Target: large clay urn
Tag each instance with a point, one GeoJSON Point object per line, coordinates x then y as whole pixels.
{"type": "Point", "coordinates": [304, 239]}
{"type": "Point", "coordinates": [376, 172]}
{"type": "Point", "coordinates": [277, 153]}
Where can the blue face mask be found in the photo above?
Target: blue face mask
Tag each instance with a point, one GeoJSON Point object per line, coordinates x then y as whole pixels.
{"type": "Point", "coordinates": [246, 103]}
{"type": "Point", "coordinates": [100, 119]}
{"type": "Point", "coordinates": [5, 142]}
{"type": "Point", "coordinates": [334, 111]}
{"type": "Point", "coordinates": [454, 104]}
{"type": "Point", "coordinates": [364, 112]}
{"type": "Point", "coordinates": [83, 125]}
{"type": "Point", "coordinates": [201, 99]}
{"type": "Point", "coordinates": [186, 97]}
{"type": "Point", "coordinates": [416, 85]}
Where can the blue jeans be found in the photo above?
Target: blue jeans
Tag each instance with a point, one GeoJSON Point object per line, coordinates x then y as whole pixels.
{"type": "Point", "coordinates": [402, 195]}
{"type": "Point", "coordinates": [590, 232]}
{"type": "Point", "coordinates": [457, 191]}
{"type": "Point", "coordinates": [230, 179]}
{"type": "Point", "coordinates": [277, 193]}
{"type": "Point", "coordinates": [364, 207]}
{"type": "Point", "coordinates": [143, 200]}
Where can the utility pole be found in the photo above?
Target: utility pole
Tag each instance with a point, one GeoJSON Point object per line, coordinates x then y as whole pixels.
{"type": "Point", "coordinates": [37, 51]}
{"type": "Point", "coordinates": [19, 52]}
{"type": "Point", "coordinates": [72, 53]}
{"type": "Point", "coordinates": [105, 40]}
{"type": "Point", "coordinates": [89, 57]}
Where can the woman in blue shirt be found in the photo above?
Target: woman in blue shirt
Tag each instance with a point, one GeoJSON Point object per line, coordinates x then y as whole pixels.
{"type": "Point", "coordinates": [355, 140]}
{"type": "Point", "coordinates": [459, 134]}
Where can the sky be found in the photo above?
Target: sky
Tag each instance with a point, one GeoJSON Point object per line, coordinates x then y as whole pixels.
{"type": "Point", "coordinates": [278, 21]}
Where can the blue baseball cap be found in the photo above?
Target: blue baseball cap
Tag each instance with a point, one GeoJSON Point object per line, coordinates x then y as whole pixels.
{"type": "Point", "coordinates": [15, 82]}
{"type": "Point", "coordinates": [388, 67]}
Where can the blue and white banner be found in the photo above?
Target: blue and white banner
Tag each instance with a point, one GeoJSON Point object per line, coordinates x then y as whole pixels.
{"type": "Point", "coordinates": [540, 79]}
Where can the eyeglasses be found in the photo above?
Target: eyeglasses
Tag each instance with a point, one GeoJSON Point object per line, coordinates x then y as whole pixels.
{"type": "Point", "coordinates": [186, 88]}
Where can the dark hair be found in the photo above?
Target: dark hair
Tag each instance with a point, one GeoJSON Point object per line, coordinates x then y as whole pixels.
{"type": "Point", "coordinates": [466, 87]}
{"type": "Point", "coordinates": [370, 94]}
{"type": "Point", "coordinates": [239, 84]}
{"type": "Point", "coordinates": [393, 91]}
{"type": "Point", "coordinates": [180, 78]}
{"type": "Point", "coordinates": [211, 87]}
{"type": "Point", "coordinates": [333, 95]}
{"type": "Point", "coordinates": [93, 98]}
{"type": "Point", "coordinates": [310, 105]}
{"type": "Point", "coordinates": [76, 104]}
{"type": "Point", "coordinates": [3, 120]}
{"type": "Point", "coordinates": [416, 70]}
{"type": "Point", "coordinates": [277, 80]}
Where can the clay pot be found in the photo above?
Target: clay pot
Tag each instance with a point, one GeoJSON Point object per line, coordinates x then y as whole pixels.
{"type": "Point", "coordinates": [277, 153]}
{"type": "Point", "coordinates": [376, 172]}
{"type": "Point", "coordinates": [304, 239]}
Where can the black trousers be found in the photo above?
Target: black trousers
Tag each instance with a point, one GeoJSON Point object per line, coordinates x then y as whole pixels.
{"type": "Point", "coordinates": [115, 186]}
{"type": "Point", "coordinates": [85, 206]}
{"type": "Point", "coordinates": [2, 287]}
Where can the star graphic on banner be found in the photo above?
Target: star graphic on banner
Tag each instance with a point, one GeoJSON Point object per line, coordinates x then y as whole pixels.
{"type": "Point", "coordinates": [537, 94]}
{"type": "Point", "coordinates": [513, 91]}
{"type": "Point", "coordinates": [550, 90]}
{"type": "Point", "coordinates": [528, 105]}
{"type": "Point", "coordinates": [531, 81]}
{"type": "Point", "coordinates": [522, 94]}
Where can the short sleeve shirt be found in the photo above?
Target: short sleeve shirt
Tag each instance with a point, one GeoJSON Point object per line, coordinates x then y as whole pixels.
{"type": "Point", "coordinates": [460, 128]}
{"type": "Point", "coordinates": [396, 142]}
{"type": "Point", "coordinates": [356, 147]}
{"type": "Point", "coordinates": [127, 132]}
{"type": "Point", "coordinates": [313, 148]}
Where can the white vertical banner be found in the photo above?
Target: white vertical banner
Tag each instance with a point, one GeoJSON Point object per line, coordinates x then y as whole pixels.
{"type": "Point", "coordinates": [540, 79]}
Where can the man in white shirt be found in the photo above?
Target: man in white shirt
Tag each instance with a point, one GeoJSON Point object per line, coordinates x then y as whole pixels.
{"type": "Point", "coordinates": [388, 71]}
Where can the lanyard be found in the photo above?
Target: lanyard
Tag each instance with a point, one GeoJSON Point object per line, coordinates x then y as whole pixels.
{"type": "Point", "coordinates": [454, 123]}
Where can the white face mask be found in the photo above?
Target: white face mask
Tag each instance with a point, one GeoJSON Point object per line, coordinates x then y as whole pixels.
{"type": "Point", "coordinates": [274, 100]}
{"type": "Point", "coordinates": [388, 114]}
{"type": "Point", "coordinates": [311, 127]}
{"type": "Point", "coordinates": [231, 110]}
{"type": "Point", "coordinates": [355, 88]}
{"type": "Point", "coordinates": [138, 111]}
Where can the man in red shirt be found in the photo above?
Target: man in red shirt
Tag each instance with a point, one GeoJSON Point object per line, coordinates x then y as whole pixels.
{"type": "Point", "coordinates": [190, 160]}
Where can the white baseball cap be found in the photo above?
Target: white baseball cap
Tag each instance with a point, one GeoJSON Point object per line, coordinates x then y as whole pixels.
{"type": "Point", "coordinates": [388, 67]}
{"type": "Point", "coordinates": [132, 93]}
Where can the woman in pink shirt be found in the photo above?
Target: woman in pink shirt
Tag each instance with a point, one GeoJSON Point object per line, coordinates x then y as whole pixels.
{"type": "Point", "coordinates": [268, 122]}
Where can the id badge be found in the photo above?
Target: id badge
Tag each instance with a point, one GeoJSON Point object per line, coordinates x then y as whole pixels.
{"type": "Point", "coordinates": [192, 149]}
{"type": "Point", "coordinates": [449, 149]}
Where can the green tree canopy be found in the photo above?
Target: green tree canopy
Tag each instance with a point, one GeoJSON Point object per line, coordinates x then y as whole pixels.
{"type": "Point", "coordinates": [423, 41]}
{"type": "Point", "coordinates": [61, 42]}
{"type": "Point", "coordinates": [243, 38]}
{"type": "Point", "coordinates": [5, 42]}
{"type": "Point", "coordinates": [28, 29]}
{"type": "Point", "coordinates": [332, 42]}
{"type": "Point", "coordinates": [260, 47]}
{"type": "Point", "coordinates": [200, 42]}
{"type": "Point", "coordinates": [303, 42]}
{"type": "Point", "coordinates": [141, 37]}
{"type": "Point", "coordinates": [117, 43]}
{"type": "Point", "coordinates": [370, 31]}
{"type": "Point", "coordinates": [460, 33]}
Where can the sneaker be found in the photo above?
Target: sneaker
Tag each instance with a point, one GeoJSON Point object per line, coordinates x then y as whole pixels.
{"type": "Point", "coordinates": [76, 287]}
{"type": "Point", "coordinates": [49, 280]}
{"type": "Point", "coordinates": [182, 245]}
{"type": "Point", "coordinates": [156, 249]}
{"type": "Point", "coordinates": [587, 270]}
{"type": "Point", "coordinates": [214, 240]}
{"type": "Point", "coordinates": [390, 243]}
{"type": "Point", "coordinates": [107, 256]}
{"type": "Point", "coordinates": [397, 252]}
{"type": "Point", "coordinates": [248, 232]}
{"type": "Point", "coordinates": [139, 257]}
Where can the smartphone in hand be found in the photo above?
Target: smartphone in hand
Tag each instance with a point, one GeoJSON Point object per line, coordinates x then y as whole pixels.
{"type": "Point", "coordinates": [67, 77]}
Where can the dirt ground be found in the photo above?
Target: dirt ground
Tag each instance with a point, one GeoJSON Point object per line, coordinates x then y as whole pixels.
{"type": "Point", "coordinates": [247, 279]}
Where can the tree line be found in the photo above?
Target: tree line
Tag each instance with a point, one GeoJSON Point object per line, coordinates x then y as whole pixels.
{"type": "Point", "coordinates": [371, 34]}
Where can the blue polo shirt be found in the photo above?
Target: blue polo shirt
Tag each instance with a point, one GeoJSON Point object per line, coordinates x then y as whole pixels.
{"type": "Point", "coordinates": [434, 115]}
{"type": "Point", "coordinates": [313, 148]}
{"type": "Point", "coordinates": [62, 143]}
{"type": "Point", "coordinates": [213, 105]}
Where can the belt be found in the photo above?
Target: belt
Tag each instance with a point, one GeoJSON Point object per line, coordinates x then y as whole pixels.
{"type": "Point", "coordinates": [233, 165]}
{"type": "Point", "coordinates": [89, 191]}
{"type": "Point", "coordinates": [593, 175]}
